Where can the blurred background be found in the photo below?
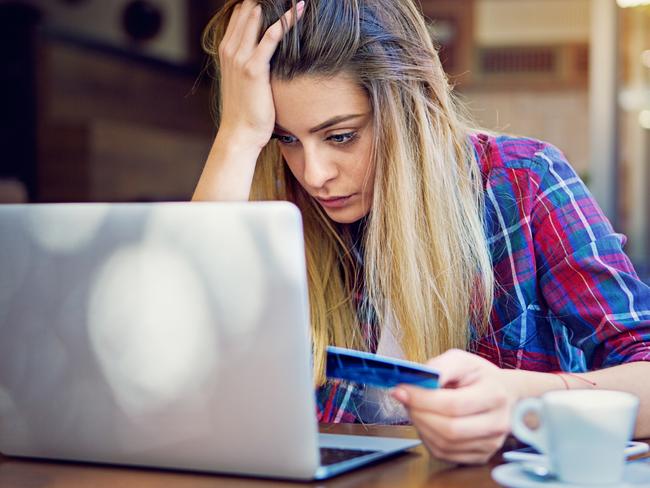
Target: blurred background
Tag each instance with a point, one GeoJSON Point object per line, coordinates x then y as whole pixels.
{"type": "Point", "coordinates": [105, 100]}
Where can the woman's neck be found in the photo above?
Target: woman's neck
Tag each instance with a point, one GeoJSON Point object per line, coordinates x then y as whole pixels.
{"type": "Point", "coordinates": [356, 230]}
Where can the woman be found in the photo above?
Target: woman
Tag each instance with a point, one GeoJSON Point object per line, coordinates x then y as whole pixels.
{"type": "Point", "coordinates": [484, 255]}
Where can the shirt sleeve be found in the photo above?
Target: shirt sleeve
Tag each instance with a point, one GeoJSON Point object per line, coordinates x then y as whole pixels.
{"type": "Point", "coordinates": [335, 402]}
{"type": "Point", "coordinates": [585, 277]}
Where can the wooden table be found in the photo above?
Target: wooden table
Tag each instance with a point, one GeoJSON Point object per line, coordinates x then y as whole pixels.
{"type": "Point", "coordinates": [415, 468]}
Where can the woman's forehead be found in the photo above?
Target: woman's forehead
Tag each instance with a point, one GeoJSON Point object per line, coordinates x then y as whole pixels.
{"type": "Point", "coordinates": [307, 101]}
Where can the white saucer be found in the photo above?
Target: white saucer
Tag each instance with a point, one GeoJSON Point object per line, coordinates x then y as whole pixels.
{"type": "Point", "coordinates": [511, 475]}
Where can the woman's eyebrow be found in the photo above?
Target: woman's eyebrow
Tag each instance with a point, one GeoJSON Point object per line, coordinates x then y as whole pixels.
{"type": "Point", "coordinates": [328, 123]}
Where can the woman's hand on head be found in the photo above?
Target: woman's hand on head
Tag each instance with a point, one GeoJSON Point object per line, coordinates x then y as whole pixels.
{"type": "Point", "coordinates": [248, 115]}
{"type": "Point", "coordinates": [468, 419]}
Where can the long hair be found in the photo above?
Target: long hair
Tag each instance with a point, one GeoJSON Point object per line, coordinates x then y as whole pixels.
{"type": "Point", "coordinates": [426, 267]}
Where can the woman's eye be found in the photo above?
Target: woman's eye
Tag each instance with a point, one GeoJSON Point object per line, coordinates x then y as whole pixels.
{"type": "Point", "coordinates": [282, 139]}
{"type": "Point", "coordinates": [339, 139]}
{"type": "Point", "coordinates": [342, 138]}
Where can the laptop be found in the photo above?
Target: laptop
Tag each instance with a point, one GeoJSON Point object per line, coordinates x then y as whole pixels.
{"type": "Point", "coordinates": [168, 335]}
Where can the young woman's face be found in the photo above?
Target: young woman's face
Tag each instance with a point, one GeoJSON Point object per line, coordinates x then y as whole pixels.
{"type": "Point", "coordinates": [324, 129]}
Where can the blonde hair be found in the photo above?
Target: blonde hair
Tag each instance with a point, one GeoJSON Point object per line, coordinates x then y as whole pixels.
{"type": "Point", "coordinates": [427, 269]}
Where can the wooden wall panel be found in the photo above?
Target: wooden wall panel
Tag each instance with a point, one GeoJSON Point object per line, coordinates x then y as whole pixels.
{"type": "Point", "coordinates": [82, 84]}
{"type": "Point", "coordinates": [118, 128]}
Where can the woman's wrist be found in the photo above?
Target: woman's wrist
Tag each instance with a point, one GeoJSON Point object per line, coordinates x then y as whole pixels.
{"type": "Point", "coordinates": [533, 383]}
{"type": "Point", "coordinates": [228, 171]}
{"type": "Point", "coordinates": [240, 140]}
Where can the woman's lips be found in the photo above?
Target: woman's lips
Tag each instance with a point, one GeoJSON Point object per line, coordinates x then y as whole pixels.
{"type": "Point", "coordinates": [336, 202]}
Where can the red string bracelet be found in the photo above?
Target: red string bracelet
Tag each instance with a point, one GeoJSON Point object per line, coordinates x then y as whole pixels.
{"type": "Point", "coordinates": [560, 374]}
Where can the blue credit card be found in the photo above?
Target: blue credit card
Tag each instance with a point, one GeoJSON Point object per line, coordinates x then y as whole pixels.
{"type": "Point", "coordinates": [379, 371]}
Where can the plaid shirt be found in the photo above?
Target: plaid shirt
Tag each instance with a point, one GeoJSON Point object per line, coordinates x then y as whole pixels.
{"type": "Point", "coordinates": [566, 297]}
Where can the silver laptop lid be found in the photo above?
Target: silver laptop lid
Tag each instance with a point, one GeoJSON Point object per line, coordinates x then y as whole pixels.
{"type": "Point", "coordinates": [171, 335]}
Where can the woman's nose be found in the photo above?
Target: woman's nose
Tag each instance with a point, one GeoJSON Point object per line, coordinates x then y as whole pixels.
{"type": "Point", "coordinates": [318, 169]}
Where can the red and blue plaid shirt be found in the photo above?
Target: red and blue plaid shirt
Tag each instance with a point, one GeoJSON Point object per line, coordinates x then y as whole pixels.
{"type": "Point", "coordinates": [566, 297]}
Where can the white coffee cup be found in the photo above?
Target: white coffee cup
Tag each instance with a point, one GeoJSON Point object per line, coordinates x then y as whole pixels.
{"type": "Point", "coordinates": [582, 432]}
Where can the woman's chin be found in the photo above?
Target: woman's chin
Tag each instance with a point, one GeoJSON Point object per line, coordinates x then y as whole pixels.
{"type": "Point", "coordinates": [345, 215]}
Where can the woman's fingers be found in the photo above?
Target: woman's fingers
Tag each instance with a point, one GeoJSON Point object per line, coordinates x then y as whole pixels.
{"type": "Point", "coordinates": [467, 421]}
{"type": "Point", "coordinates": [456, 431]}
{"type": "Point", "coordinates": [247, 8]}
{"type": "Point", "coordinates": [466, 457]}
{"type": "Point", "coordinates": [453, 440]}
{"type": "Point", "coordinates": [457, 367]}
{"type": "Point", "coordinates": [250, 33]}
{"type": "Point", "coordinates": [246, 93]}
{"type": "Point", "coordinates": [275, 33]}
{"type": "Point", "coordinates": [236, 26]}
{"type": "Point", "coordinates": [232, 22]}
{"type": "Point", "coordinates": [469, 400]}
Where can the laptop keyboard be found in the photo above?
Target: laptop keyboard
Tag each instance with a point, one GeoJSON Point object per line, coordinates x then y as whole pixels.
{"type": "Point", "coordinates": [329, 455]}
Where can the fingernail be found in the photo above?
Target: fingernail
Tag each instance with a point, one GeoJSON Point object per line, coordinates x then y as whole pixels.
{"type": "Point", "coordinates": [400, 395]}
{"type": "Point", "coordinates": [300, 5]}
